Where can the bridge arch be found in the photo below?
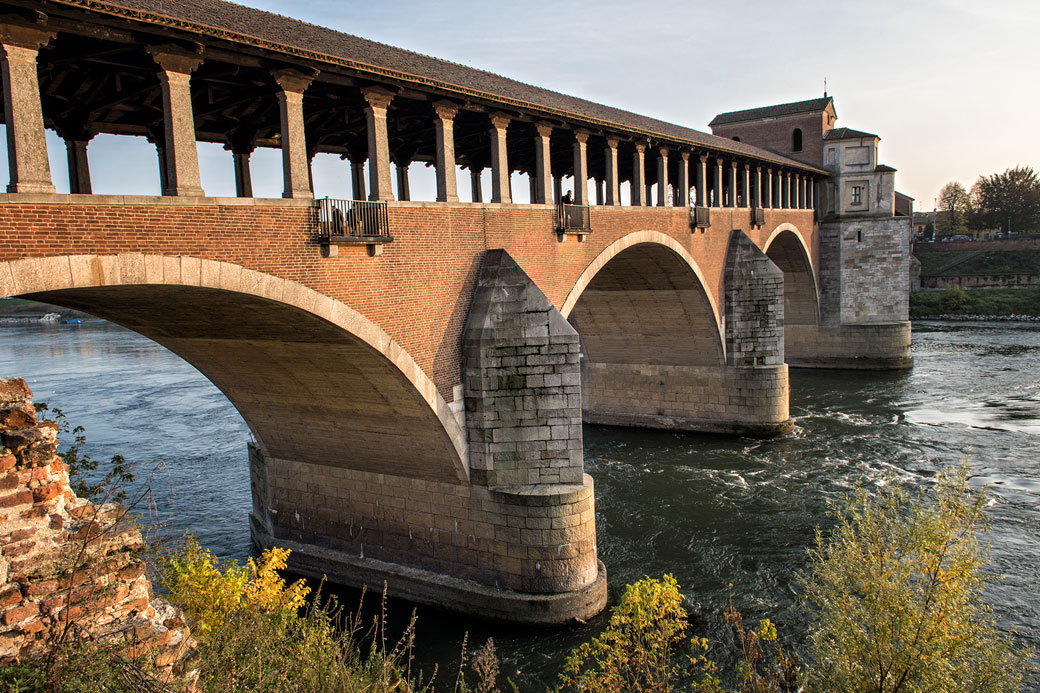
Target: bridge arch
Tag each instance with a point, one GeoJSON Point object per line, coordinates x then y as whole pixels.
{"type": "Point", "coordinates": [315, 380]}
{"type": "Point", "coordinates": [787, 248]}
{"type": "Point", "coordinates": [678, 274]}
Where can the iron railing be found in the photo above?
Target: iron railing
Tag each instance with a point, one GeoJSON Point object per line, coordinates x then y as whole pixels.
{"type": "Point", "coordinates": [352, 219]}
{"type": "Point", "coordinates": [700, 217]}
{"type": "Point", "coordinates": [571, 218]}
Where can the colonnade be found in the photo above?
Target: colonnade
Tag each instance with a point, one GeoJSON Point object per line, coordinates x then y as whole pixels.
{"type": "Point", "coordinates": [719, 179]}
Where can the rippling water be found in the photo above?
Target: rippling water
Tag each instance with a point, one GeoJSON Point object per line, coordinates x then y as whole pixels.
{"type": "Point", "coordinates": [714, 511]}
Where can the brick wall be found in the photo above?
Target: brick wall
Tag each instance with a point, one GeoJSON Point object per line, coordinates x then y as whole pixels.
{"type": "Point", "coordinates": [65, 562]}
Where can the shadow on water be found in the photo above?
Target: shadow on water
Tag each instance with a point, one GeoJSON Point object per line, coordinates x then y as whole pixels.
{"type": "Point", "coordinates": [731, 518]}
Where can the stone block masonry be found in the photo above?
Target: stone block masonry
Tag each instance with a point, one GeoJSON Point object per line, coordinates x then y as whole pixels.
{"type": "Point", "coordinates": [66, 565]}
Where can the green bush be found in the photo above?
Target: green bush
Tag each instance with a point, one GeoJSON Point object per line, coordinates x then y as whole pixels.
{"type": "Point", "coordinates": [895, 596]}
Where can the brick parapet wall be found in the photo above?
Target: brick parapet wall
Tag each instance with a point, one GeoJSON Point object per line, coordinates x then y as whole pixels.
{"type": "Point", "coordinates": [66, 565]}
{"type": "Point", "coordinates": [418, 290]}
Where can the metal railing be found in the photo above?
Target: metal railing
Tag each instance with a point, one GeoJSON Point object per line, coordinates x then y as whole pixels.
{"type": "Point", "coordinates": [571, 218]}
{"type": "Point", "coordinates": [700, 217]}
{"type": "Point", "coordinates": [352, 219]}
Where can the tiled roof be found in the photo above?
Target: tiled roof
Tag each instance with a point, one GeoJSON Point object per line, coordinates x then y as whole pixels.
{"type": "Point", "coordinates": [846, 134]}
{"type": "Point", "coordinates": [782, 109]}
{"type": "Point", "coordinates": [276, 33]}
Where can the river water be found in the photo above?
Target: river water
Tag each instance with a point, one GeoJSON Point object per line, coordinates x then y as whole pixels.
{"type": "Point", "coordinates": [731, 518]}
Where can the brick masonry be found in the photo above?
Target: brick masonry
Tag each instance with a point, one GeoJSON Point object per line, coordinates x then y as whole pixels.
{"type": "Point", "coordinates": [66, 564]}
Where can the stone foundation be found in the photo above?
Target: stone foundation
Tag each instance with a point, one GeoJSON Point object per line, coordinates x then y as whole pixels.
{"type": "Point", "coordinates": [707, 399]}
{"type": "Point", "coordinates": [868, 346]}
{"type": "Point", "coordinates": [524, 554]}
{"type": "Point", "coordinates": [65, 562]}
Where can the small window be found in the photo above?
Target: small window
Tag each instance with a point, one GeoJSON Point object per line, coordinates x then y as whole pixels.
{"type": "Point", "coordinates": [857, 195]}
{"type": "Point", "coordinates": [736, 139]}
{"type": "Point", "coordinates": [796, 140]}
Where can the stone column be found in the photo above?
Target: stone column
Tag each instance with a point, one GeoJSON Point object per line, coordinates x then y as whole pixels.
{"type": "Point", "coordinates": [662, 177]}
{"type": "Point", "coordinates": [785, 196]}
{"type": "Point", "coordinates": [581, 168]}
{"type": "Point", "coordinates": [613, 182]}
{"type": "Point", "coordinates": [702, 181]}
{"type": "Point", "coordinates": [683, 199]}
{"type": "Point", "coordinates": [768, 202]}
{"type": "Point", "coordinates": [79, 166]}
{"type": "Point", "coordinates": [474, 184]}
{"type": "Point", "coordinates": [543, 180]}
{"type": "Point", "coordinates": [717, 184]}
{"type": "Point", "coordinates": [243, 178]}
{"type": "Point", "coordinates": [404, 191]}
{"type": "Point", "coordinates": [499, 159]}
{"type": "Point", "coordinates": [181, 150]}
{"type": "Point", "coordinates": [357, 179]}
{"type": "Point", "coordinates": [447, 185]}
{"type": "Point", "coordinates": [801, 192]}
{"type": "Point", "coordinates": [379, 181]}
{"type": "Point", "coordinates": [732, 201]}
{"type": "Point", "coordinates": [598, 184]}
{"type": "Point", "coordinates": [295, 162]}
{"type": "Point", "coordinates": [639, 176]}
{"type": "Point", "coordinates": [758, 186]}
{"type": "Point", "coordinates": [810, 191]}
{"type": "Point", "coordinates": [557, 190]}
{"type": "Point", "coordinates": [23, 110]}
{"type": "Point", "coordinates": [745, 181]}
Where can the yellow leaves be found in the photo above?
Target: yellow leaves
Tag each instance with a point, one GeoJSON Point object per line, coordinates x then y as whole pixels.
{"type": "Point", "coordinates": [211, 596]}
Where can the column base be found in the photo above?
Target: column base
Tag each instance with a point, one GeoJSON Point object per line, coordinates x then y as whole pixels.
{"type": "Point", "coordinates": [442, 591]}
{"type": "Point", "coordinates": [700, 399]}
{"type": "Point", "coordinates": [867, 346]}
{"type": "Point", "coordinates": [32, 188]}
{"type": "Point", "coordinates": [184, 192]}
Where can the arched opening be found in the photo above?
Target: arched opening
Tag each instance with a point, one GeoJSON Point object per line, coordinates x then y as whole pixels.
{"type": "Point", "coordinates": [796, 140]}
{"type": "Point", "coordinates": [646, 305]}
{"type": "Point", "coordinates": [315, 382]}
{"type": "Point", "coordinates": [787, 250]}
{"type": "Point", "coordinates": [736, 139]}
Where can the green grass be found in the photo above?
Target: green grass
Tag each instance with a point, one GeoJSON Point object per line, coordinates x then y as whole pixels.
{"type": "Point", "coordinates": [989, 262]}
{"type": "Point", "coordinates": [1001, 302]}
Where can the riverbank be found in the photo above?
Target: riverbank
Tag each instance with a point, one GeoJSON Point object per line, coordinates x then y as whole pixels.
{"type": "Point", "coordinates": [1021, 304]}
{"type": "Point", "coordinates": [20, 311]}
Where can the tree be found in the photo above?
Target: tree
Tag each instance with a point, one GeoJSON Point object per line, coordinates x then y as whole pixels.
{"type": "Point", "coordinates": [954, 201]}
{"type": "Point", "coordinates": [896, 596]}
{"type": "Point", "coordinates": [1009, 201]}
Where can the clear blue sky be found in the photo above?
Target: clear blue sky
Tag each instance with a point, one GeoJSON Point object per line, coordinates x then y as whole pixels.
{"type": "Point", "coordinates": [951, 86]}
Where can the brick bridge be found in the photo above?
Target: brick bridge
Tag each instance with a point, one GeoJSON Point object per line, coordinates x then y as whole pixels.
{"type": "Point", "coordinates": [416, 373]}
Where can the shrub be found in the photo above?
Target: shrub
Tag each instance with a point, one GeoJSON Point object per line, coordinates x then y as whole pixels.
{"type": "Point", "coordinates": [896, 596]}
{"type": "Point", "coordinates": [639, 649]}
{"type": "Point", "coordinates": [954, 299]}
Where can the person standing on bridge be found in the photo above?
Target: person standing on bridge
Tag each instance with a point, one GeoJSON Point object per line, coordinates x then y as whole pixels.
{"type": "Point", "coordinates": [567, 199]}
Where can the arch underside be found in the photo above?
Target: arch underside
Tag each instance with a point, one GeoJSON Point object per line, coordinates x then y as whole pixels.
{"type": "Point", "coordinates": [309, 390]}
{"type": "Point", "coordinates": [801, 302]}
{"type": "Point", "coordinates": [646, 306]}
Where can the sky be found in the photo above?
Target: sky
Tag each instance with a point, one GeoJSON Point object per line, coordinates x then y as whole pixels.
{"type": "Point", "coordinates": [952, 87]}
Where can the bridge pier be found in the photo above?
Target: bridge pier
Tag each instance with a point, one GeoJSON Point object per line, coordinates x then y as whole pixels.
{"type": "Point", "coordinates": [517, 540]}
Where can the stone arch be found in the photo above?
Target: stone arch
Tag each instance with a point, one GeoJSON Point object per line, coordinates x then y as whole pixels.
{"type": "Point", "coordinates": [787, 249]}
{"type": "Point", "coordinates": [643, 299]}
{"type": "Point", "coordinates": [315, 380]}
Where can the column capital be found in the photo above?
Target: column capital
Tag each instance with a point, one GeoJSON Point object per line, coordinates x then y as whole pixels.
{"type": "Point", "coordinates": [544, 128]}
{"type": "Point", "coordinates": [663, 151]}
{"type": "Point", "coordinates": [499, 120]}
{"type": "Point", "coordinates": [640, 146]}
{"type": "Point", "coordinates": [758, 168]}
{"type": "Point", "coordinates": [613, 142]}
{"type": "Point", "coordinates": [445, 110]}
{"type": "Point", "coordinates": [685, 156]}
{"type": "Point", "coordinates": [24, 36]}
{"type": "Point", "coordinates": [582, 136]}
{"type": "Point", "coordinates": [736, 164]}
{"type": "Point", "coordinates": [291, 80]}
{"type": "Point", "coordinates": [769, 170]}
{"type": "Point", "coordinates": [377, 97]}
{"type": "Point", "coordinates": [172, 58]}
{"type": "Point", "coordinates": [703, 157]}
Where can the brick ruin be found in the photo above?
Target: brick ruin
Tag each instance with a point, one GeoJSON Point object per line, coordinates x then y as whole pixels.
{"type": "Point", "coordinates": [69, 568]}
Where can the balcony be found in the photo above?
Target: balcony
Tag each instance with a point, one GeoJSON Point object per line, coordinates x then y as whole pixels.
{"type": "Point", "coordinates": [572, 219]}
{"type": "Point", "coordinates": [700, 218]}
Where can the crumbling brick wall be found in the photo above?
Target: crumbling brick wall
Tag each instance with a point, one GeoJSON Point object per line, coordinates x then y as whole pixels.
{"type": "Point", "coordinates": [69, 568]}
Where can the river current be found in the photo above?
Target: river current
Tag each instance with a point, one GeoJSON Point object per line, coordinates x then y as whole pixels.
{"type": "Point", "coordinates": [731, 518]}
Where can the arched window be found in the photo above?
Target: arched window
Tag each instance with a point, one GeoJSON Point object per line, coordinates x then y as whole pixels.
{"type": "Point", "coordinates": [796, 140]}
{"type": "Point", "coordinates": [736, 139]}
